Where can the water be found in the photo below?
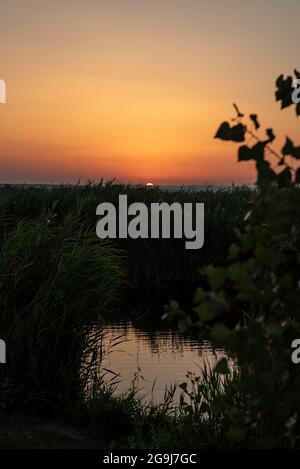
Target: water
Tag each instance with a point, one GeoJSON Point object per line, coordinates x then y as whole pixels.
{"type": "Point", "coordinates": [156, 358]}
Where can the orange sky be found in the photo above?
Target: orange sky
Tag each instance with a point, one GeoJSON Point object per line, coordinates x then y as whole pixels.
{"type": "Point", "coordinates": [135, 89]}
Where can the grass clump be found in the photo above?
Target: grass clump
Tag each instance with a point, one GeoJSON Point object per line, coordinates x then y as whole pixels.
{"type": "Point", "coordinates": [56, 281]}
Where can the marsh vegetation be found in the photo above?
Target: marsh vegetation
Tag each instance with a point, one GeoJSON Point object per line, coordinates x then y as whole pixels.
{"type": "Point", "coordinates": [58, 282]}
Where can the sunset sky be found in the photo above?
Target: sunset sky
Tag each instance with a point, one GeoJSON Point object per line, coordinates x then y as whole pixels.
{"type": "Point", "coordinates": [135, 89]}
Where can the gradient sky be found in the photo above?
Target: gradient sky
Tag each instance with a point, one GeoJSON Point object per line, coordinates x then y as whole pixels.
{"type": "Point", "coordinates": [135, 89]}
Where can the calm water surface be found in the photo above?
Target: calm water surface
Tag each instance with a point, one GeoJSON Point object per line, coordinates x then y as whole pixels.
{"type": "Point", "coordinates": [155, 358]}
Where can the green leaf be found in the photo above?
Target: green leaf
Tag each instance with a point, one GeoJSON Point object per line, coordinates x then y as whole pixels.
{"type": "Point", "coordinates": [205, 312]}
{"type": "Point", "coordinates": [236, 272]}
{"type": "Point", "coordinates": [256, 152]}
{"type": "Point", "coordinates": [223, 131]}
{"type": "Point", "coordinates": [234, 251]}
{"type": "Point", "coordinates": [284, 91]}
{"type": "Point", "coordinates": [268, 256]}
{"type": "Point", "coordinates": [200, 295]}
{"type": "Point", "coordinates": [222, 367]}
{"type": "Point", "coordinates": [235, 133]}
{"type": "Point", "coordinates": [245, 153]}
{"type": "Point", "coordinates": [216, 276]}
{"type": "Point", "coordinates": [220, 335]}
{"type": "Point", "coordinates": [290, 149]}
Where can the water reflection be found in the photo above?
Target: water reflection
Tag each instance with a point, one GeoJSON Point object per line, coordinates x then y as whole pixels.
{"type": "Point", "coordinates": [157, 358]}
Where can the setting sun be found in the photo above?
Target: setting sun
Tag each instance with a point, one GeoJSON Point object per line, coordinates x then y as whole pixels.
{"type": "Point", "coordinates": [142, 95]}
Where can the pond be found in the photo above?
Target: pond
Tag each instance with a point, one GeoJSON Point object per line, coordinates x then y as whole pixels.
{"type": "Point", "coordinates": [153, 357]}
